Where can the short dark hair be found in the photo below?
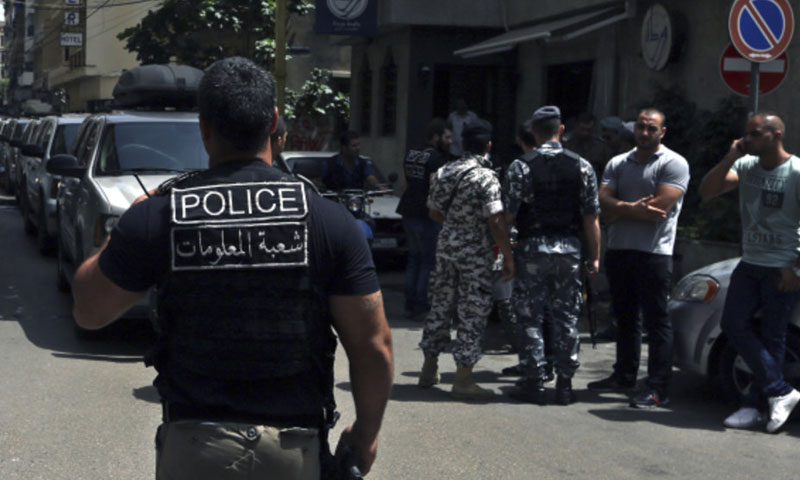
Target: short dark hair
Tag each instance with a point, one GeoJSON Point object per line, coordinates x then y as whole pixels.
{"type": "Point", "coordinates": [346, 137]}
{"type": "Point", "coordinates": [547, 128]}
{"type": "Point", "coordinates": [436, 127]}
{"type": "Point", "coordinates": [650, 111]}
{"type": "Point", "coordinates": [280, 129]}
{"type": "Point", "coordinates": [237, 99]}
{"type": "Point", "coordinates": [525, 134]}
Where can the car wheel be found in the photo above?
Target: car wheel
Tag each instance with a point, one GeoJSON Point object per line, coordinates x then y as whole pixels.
{"type": "Point", "coordinates": [736, 378]}
{"type": "Point", "coordinates": [61, 279]}
{"type": "Point", "coordinates": [43, 240]}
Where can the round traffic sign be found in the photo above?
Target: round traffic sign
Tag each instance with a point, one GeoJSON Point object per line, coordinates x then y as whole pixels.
{"type": "Point", "coordinates": [735, 72]}
{"type": "Point", "coordinates": [761, 29]}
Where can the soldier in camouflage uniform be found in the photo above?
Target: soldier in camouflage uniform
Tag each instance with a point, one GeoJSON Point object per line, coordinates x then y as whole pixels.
{"type": "Point", "coordinates": [465, 197]}
{"type": "Point", "coordinates": [551, 193]}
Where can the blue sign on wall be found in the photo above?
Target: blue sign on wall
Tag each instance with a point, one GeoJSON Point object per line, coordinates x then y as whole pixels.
{"type": "Point", "coordinates": [346, 17]}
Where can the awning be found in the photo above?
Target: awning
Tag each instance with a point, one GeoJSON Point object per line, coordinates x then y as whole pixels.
{"type": "Point", "coordinates": [560, 29]}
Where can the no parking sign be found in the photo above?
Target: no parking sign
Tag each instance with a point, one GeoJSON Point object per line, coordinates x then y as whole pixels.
{"type": "Point", "coordinates": [761, 29]}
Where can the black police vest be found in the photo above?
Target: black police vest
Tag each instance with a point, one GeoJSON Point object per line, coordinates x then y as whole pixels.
{"type": "Point", "coordinates": [417, 169]}
{"type": "Point", "coordinates": [238, 303]}
{"type": "Point", "coordinates": [556, 181]}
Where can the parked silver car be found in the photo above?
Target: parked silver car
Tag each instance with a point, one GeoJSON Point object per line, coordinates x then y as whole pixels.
{"type": "Point", "coordinates": [700, 346]}
{"type": "Point", "coordinates": [56, 136]}
{"type": "Point", "coordinates": [12, 136]}
{"type": "Point", "coordinates": [117, 156]}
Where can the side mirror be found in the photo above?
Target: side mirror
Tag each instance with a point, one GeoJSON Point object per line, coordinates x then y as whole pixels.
{"type": "Point", "coordinates": [31, 150]}
{"type": "Point", "coordinates": [65, 165]}
{"type": "Point", "coordinates": [393, 177]}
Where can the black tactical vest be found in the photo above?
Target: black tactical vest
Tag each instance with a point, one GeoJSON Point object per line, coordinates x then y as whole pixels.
{"type": "Point", "coordinates": [556, 182]}
{"type": "Point", "coordinates": [238, 303]}
{"type": "Point", "coordinates": [416, 169]}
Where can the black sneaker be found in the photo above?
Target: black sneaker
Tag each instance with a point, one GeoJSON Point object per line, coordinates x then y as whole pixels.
{"type": "Point", "coordinates": [531, 391]}
{"type": "Point", "coordinates": [649, 399]}
{"type": "Point", "coordinates": [564, 393]}
{"type": "Point", "coordinates": [610, 384]}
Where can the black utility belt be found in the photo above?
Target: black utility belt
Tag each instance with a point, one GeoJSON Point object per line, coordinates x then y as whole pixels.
{"type": "Point", "coordinates": [174, 412]}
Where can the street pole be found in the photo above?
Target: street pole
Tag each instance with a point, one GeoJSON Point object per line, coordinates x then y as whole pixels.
{"type": "Point", "coordinates": [280, 52]}
{"type": "Point", "coordinates": [754, 71]}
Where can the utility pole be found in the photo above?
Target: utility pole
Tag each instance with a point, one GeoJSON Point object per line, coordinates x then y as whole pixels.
{"type": "Point", "coordinates": [280, 52]}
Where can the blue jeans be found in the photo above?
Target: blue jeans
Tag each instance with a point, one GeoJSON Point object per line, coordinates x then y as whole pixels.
{"type": "Point", "coordinates": [421, 236]}
{"type": "Point", "coordinates": [752, 288]}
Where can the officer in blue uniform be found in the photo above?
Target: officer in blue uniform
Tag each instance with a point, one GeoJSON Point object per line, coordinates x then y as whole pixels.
{"type": "Point", "coordinates": [252, 269]}
{"type": "Point", "coordinates": [551, 193]}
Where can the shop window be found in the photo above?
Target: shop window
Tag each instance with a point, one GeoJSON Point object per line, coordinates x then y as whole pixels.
{"type": "Point", "coordinates": [389, 95]}
{"type": "Point", "coordinates": [366, 97]}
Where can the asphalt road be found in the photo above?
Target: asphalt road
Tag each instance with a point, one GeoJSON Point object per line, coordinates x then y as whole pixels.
{"type": "Point", "coordinates": [76, 408]}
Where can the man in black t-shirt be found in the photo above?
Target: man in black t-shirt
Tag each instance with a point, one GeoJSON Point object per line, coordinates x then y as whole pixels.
{"type": "Point", "coordinates": [421, 231]}
{"type": "Point", "coordinates": [252, 270]}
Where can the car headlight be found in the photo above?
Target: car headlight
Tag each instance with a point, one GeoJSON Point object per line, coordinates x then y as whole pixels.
{"type": "Point", "coordinates": [354, 204]}
{"type": "Point", "coordinates": [103, 227]}
{"type": "Point", "coordinates": [696, 288]}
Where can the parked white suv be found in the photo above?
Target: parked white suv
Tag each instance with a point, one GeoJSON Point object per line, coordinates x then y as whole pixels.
{"type": "Point", "coordinates": [119, 156]}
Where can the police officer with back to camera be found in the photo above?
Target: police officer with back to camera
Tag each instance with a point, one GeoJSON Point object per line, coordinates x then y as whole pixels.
{"type": "Point", "coordinates": [551, 193]}
{"type": "Point", "coordinates": [421, 231]}
{"type": "Point", "coordinates": [252, 270]}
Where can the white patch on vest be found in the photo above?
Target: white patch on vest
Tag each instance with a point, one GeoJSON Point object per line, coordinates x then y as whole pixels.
{"type": "Point", "coordinates": [242, 202]}
{"type": "Point", "coordinates": [244, 246]}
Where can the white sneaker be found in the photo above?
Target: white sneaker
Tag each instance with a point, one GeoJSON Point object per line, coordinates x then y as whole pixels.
{"type": "Point", "coordinates": [780, 408]}
{"type": "Point", "coordinates": [745, 417]}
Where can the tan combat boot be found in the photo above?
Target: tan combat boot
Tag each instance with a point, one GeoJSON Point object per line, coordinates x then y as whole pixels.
{"type": "Point", "coordinates": [464, 388]}
{"type": "Point", "coordinates": [430, 372]}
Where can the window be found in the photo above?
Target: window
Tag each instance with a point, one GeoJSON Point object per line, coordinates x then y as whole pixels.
{"type": "Point", "coordinates": [64, 138]}
{"type": "Point", "coordinates": [366, 97]}
{"type": "Point", "coordinates": [389, 95]}
{"type": "Point", "coordinates": [164, 145]}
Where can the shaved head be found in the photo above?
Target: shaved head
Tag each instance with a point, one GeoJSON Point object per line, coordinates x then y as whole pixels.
{"type": "Point", "coordinates": [771, 121]}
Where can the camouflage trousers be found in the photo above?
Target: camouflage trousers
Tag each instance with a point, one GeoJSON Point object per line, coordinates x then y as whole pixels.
{"type": "Point", "coordinates": [547, 288]}
{"type": "Point", "coordinates": [461, 297]}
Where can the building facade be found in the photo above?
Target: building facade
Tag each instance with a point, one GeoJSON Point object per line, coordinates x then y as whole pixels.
{"type": "Point", "coordinates": [509, 57]}
{"type": "Point", "coordinates": [66, 53]}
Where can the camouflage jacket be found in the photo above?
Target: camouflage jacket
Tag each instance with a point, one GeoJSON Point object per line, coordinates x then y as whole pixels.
{"type": "Point", "coordinates": [465, 232]}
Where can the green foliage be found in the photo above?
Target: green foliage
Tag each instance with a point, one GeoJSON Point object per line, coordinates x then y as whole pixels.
{"type": "Point", "coordinates": [317, 101]}
{"type": "Point", "coordinates": [199, 32]}
{"type": "Point", "coordinates": [703, 137]}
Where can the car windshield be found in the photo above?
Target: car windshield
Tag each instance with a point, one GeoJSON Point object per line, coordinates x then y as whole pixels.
{"type": "Point", "coordinates": [65, 136]}
{"type": "Point", "coordinates": [156, 146]}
